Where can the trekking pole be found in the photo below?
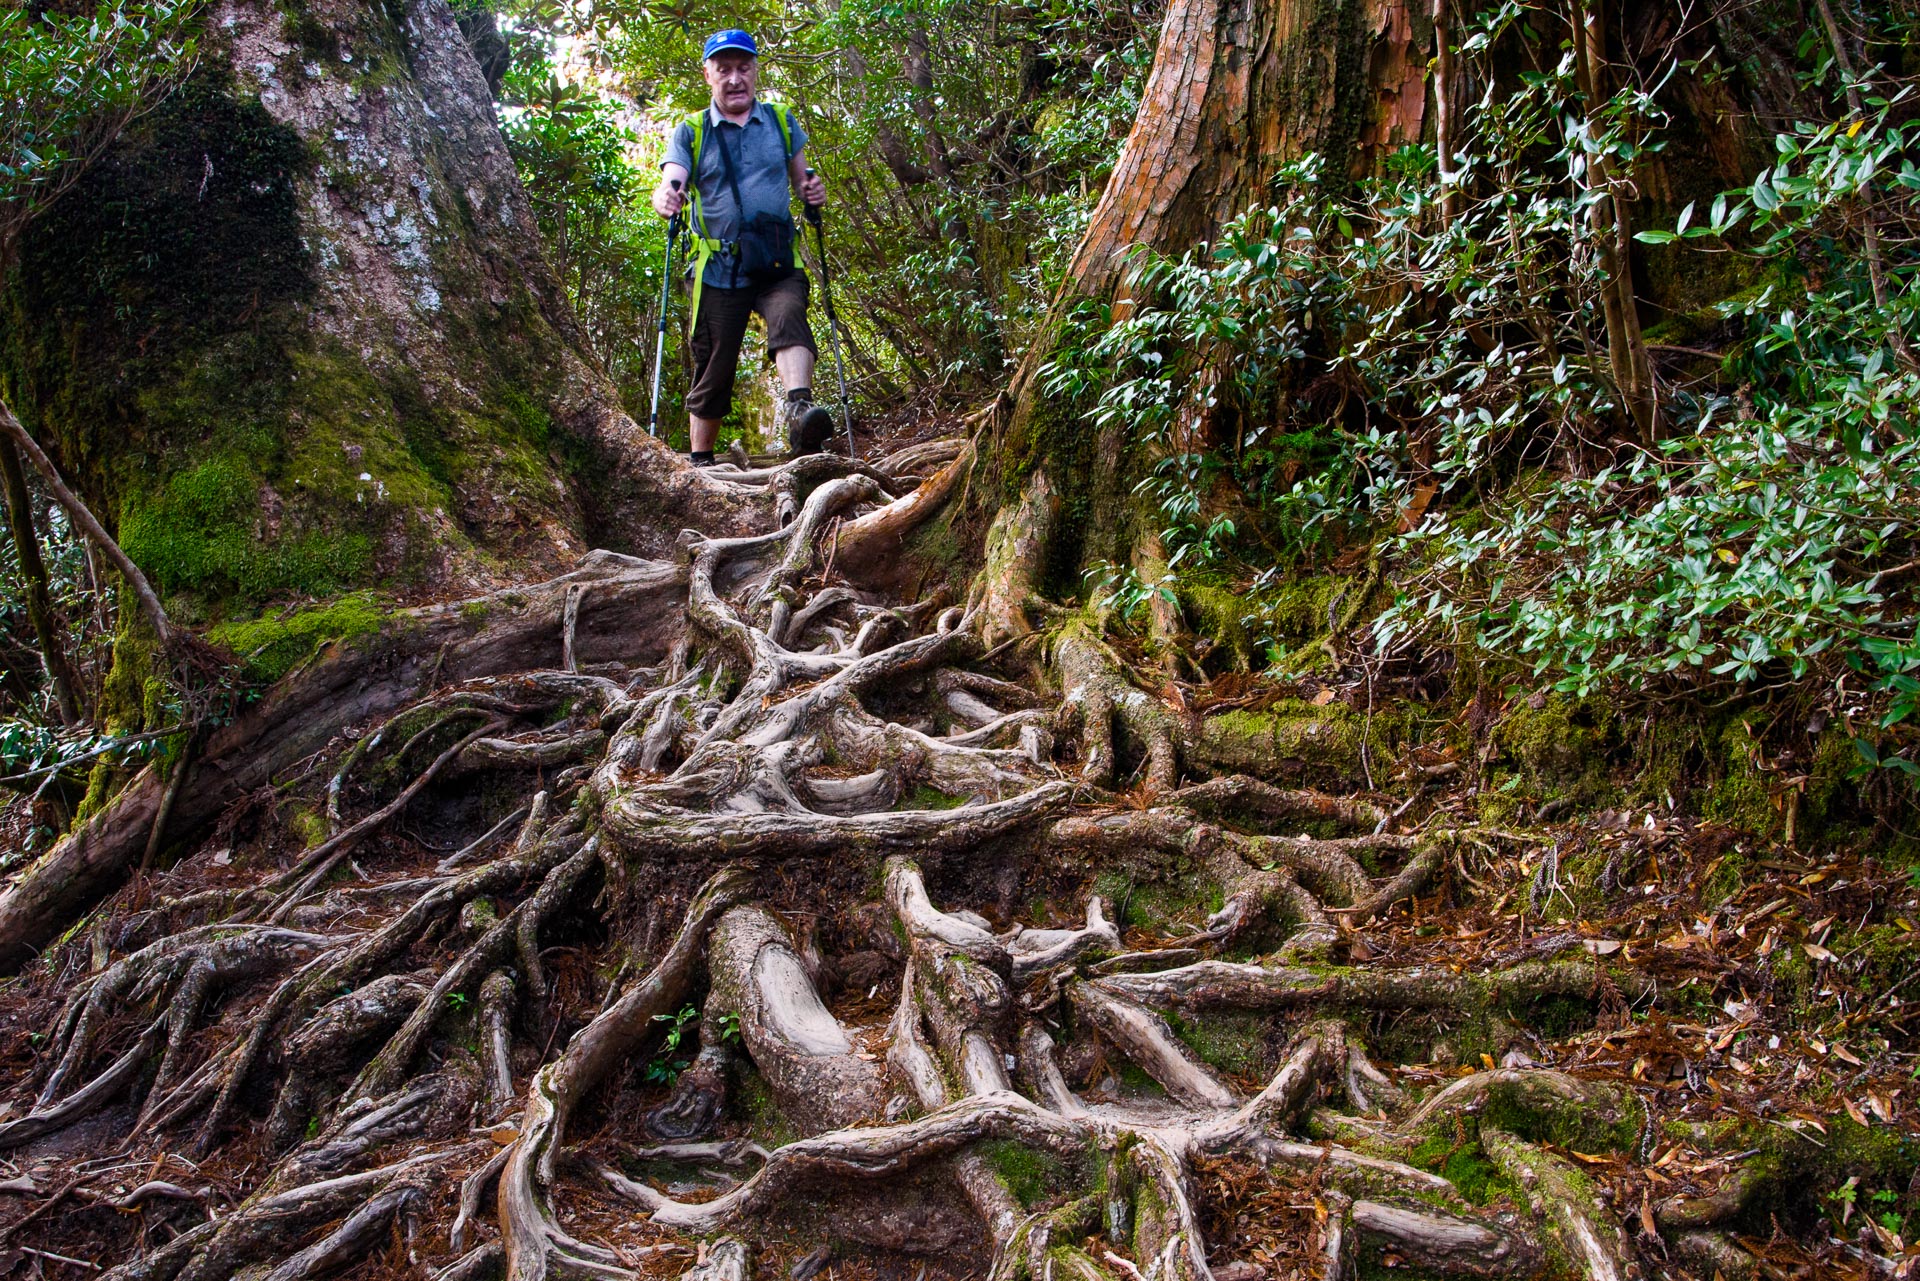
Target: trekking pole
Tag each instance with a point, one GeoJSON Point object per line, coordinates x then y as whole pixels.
{"type": "Point", "coordinates": [833, 323]}
{"type": "Point", "coordinates": [660, 333]}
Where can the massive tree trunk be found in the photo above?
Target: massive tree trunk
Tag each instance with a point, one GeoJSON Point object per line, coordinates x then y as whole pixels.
{"type": "Point", "coordinates": [1238, 89]}
{"type": "Point", "coordinates": [293, 333]}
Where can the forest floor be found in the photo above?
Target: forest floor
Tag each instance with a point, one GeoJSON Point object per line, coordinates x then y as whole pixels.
{"type": "Point", "coordinates": [794, 932]}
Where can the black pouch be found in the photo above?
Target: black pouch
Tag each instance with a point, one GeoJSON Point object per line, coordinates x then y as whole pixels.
{"type": "Point", "coordinates": [764, 251]}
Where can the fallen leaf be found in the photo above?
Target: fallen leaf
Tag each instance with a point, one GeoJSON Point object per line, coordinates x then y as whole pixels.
{"type": "Point", "coordinates": [1601, 947]}
{"type": "Point", "coordinates": [1845, 1055]}
{"type": "Point", "coordinates": [1817, 952]}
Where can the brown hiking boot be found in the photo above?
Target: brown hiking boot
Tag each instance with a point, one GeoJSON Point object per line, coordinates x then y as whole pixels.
{"type": "Point", "coordinates": [809, 427]}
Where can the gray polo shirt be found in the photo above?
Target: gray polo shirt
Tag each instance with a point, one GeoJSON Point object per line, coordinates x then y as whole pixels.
{"type": "Point", "coordinates": [759, 165]}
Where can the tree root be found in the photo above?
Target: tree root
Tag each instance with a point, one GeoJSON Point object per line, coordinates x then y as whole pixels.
{"type": "Point", "coordinates": [750, 732]}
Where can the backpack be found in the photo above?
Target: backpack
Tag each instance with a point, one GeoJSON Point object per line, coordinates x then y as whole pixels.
{"type": "Point", "coordinates": [705, 246]}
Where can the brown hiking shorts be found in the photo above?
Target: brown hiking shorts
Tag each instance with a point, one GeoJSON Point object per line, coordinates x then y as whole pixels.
{"type": "Point", "coordinates": [722, 323]}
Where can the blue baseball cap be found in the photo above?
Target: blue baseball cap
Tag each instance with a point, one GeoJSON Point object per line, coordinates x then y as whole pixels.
{"type": "Point", "coordinates": [733, 38]}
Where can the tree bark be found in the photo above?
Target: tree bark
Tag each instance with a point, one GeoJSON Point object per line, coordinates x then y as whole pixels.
{"type": "Point", "coordinates": [1239, 88]}
{"type": "Point", "coordinates": [318, 346]}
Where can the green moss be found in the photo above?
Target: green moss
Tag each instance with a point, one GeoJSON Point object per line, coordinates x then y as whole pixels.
{"type": "Point", "coordinates": [1554, 1016]}
{"type": "Point", "coordinates": [1798, 1173]}
{"type": "Point", "coordinates": [924, 797]}
{"type": "Point", "coordinates": [1740, 794]}
{"type": "Point", "coordinates": [1221, 615]}
{"type": "Point", "coordinates": [937, 546]}
{"type": "Point", "coordinates": [1147, 898]}
{"type": "Point", "coordinates": [271, 648]}
{"type": "Point", "coordinates": [1561, 747]}
{"type": "Point", "coordinates": [1581, 1129]}
{"type": "Point", "coordinates": [201, 533]}
{"type": "Point", "coordinates": [134, 698]}
{"type": "Point", "coordinates": [1029, 1173]}
{"type": "Point", "coordinates": [1134, 1079]}
{"type": "Point", "coordinates": [1728, 879]}
{"type": "Point", "coordinates": [1323, 743]}
{"type": "Point", "coordinates": [754, 1097]}
{"type": "Point", "coordinates": [1464, 1165]}
{"type": "Point", "coordinates": [306, 823]}
{"type": "Point", "coordinates": [1832, 790]}
{"type": "Point", "coordinates": [1235, 1043]}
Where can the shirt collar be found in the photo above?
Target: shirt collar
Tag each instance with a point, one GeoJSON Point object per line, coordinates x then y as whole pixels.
{"type": "Point", "coordinates": [715, 119]}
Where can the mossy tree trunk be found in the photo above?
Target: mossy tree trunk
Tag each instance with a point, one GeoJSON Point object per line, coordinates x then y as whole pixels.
{"type": "Point", "coordinates": [311, 343]}
{"type": "Point", "coordinates": [1238, 89]}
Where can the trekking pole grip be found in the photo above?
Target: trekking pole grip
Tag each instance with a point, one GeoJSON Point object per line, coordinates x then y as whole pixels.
{"type": "Point", "coordinates": [813, 210]}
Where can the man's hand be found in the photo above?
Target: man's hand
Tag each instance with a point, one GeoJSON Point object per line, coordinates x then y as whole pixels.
{"type": "Point", "coordinates": [812, 190]}
{"type": "Point", "coordinates": [668, 198]}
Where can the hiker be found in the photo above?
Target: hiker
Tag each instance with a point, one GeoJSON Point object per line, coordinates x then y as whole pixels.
{"type": "Point", "coordinates": [744, 157]}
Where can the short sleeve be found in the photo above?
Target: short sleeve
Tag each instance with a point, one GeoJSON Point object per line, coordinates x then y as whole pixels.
{"type": "Point", "coordinates": [680, 147]}
{"type": "Point", "coordinates": [799, 134]}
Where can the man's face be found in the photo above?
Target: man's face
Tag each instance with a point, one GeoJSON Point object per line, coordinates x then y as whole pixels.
{"type": "Point", "coordinates": [732, 74]}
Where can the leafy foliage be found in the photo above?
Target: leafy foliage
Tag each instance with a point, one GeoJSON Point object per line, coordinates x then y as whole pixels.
{"type": "Point", "coordinates": [576, 156]}
{"type": "Point", "coordinates": [1769, 540]}
{"type": "Point", "coordinates": [1415, 353]}
{"type": "Point", "coordinates": [79, 606]}
{"type": "Point", "coordinates": [69, 84]}
{"type": "Point", "coordinates": [963, 146]}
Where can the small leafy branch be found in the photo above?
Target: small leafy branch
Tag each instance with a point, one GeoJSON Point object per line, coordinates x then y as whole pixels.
{"type": "Point", "coordinates": [665, 1068]}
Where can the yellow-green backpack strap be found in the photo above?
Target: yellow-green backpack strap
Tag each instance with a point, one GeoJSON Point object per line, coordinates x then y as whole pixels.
{"type": "Point", "coordinates": [704, 246]}
{"type": "Point", "coordinates": [781, 115]}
